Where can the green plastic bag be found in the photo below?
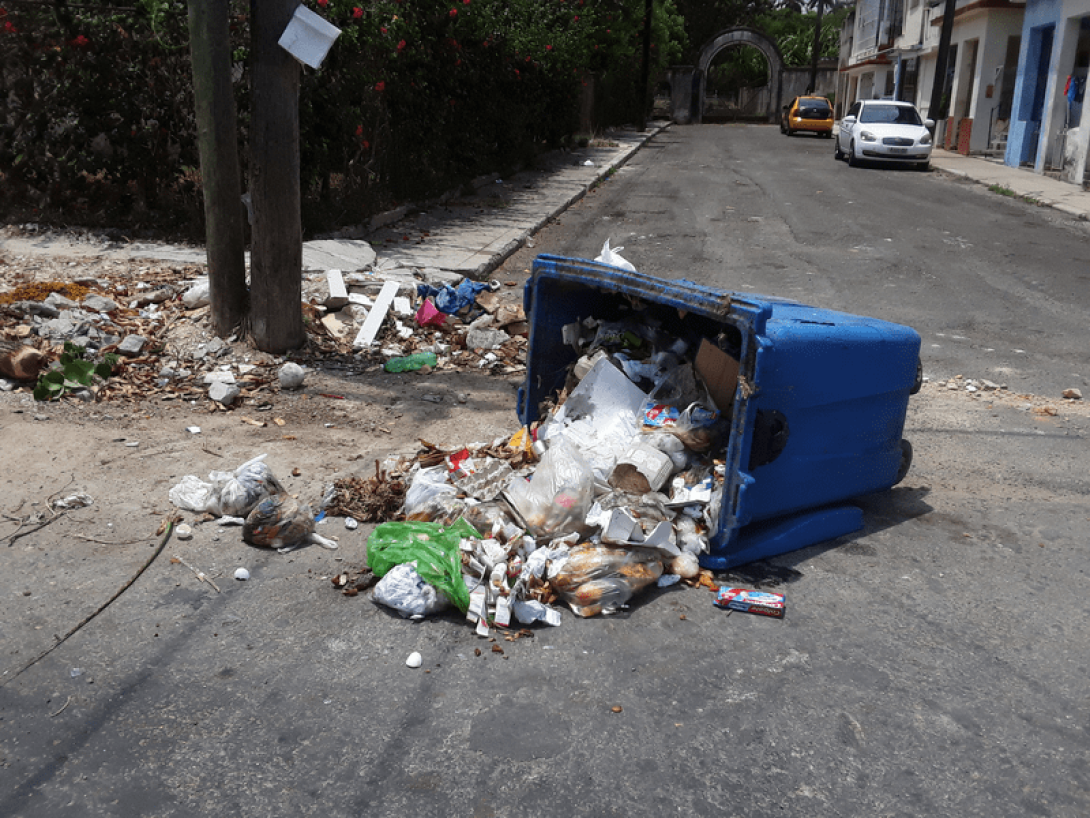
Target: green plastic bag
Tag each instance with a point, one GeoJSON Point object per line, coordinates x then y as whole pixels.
{"type": "Point", "coordinates": [431, 547]}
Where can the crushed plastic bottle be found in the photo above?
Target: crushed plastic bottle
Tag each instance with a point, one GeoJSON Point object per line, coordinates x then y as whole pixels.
{"type": "Point", "coordinates": [411, 362]}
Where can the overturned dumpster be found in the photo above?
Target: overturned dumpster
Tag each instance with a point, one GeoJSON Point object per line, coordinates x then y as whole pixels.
{"type": "Point", "coordinates": [812, 402]}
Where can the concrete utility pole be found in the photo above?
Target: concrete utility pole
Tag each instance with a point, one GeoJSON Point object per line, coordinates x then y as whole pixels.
{"type": "Point", "coordinates": [276, 258]}
{"type": "Point", "coordinates": [815, 52]}
{"type": "Point", "coordinates": [217, 136]}
{"type": "Point", "coordinates": [939, 85]}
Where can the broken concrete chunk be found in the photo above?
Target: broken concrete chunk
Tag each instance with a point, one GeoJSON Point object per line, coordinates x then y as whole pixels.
{"type": "Point", "coordinates": [99, 303]}
{"type": "Point", "coordinates": [353, 313]}
{"type": "Point", "coordinates": [58, 301]}
{"type": "Point", "coordinates": [338, 293]}
{"type": "Point", "coordinates": [132, 345]}
{"type": "Point", "coordinates": [214, 348]}
{"type": "Point", "coordinates": [219, 377]}
{"type": "Point", "coordinates": [224, 393]}
{"type": "Point", "coordinates": [154, 297]}
{"type": "Point", "coordinates": [1073, 394]}
{"type": "Point", "coordinates": [25, 308]}
{"type": "Point", "coordinates": [485, 338]}
{"type": "Point", "coordinates": [335, 326]}
{"type": "Point", "coordinates": [361, 300]}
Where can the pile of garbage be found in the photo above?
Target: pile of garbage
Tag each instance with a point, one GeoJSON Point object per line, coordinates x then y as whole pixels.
{"type": "Point", "coordinates": [616, 489]}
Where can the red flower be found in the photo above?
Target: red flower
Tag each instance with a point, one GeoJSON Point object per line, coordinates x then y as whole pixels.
{"type": "Point", "coordinates": [382, 29]}
{"type": "Point", "coordinates": [367, 145]}
{"type": "Point", "coordinates": [323, 3]}
{"type": "Point", "coordinates": [380, 86]}
{"type": "Point", "coordinates": [357, 12]}
{"type": "Point", "coordinates": [401, 45]}
{"type": "Point", "coordinates": [10, 28]}
{"type": "Point", "coordinates": [359, 130]}
{"type": "Point", "coordinates": [577, 18]}
{"type": "Point", "coordinates": [79, 41]}
{"type": "Point", "coordinates": [548, 48]}
{"type": "Point", "coordinates": [454, 12]}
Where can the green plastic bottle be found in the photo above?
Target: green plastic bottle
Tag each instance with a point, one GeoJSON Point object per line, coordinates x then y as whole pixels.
{"type": "Point", "coordinates": [410, 362]}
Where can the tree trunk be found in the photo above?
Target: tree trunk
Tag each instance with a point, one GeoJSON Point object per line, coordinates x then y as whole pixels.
{"type": "Point", "coordinates": [276, 256]}
{"type": "Point", "coordinates": [218, 143]}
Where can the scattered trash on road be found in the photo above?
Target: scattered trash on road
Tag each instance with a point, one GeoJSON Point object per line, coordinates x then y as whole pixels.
{"type": "Point", "coordinates": [764, 603]}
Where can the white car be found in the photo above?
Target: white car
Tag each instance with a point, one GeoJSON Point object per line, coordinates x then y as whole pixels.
{"type": "Point", "coordinates": [884, 130]}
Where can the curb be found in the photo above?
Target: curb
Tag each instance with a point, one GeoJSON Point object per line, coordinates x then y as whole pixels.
{"type": "Point", "coordinates": [515, 245]}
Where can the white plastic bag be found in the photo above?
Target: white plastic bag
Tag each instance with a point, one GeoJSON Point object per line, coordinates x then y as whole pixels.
{"type": "Point", "coordinates": [199, 295]}
{"type": "Point", "coordinates": [406, 592]}
{"type": "Point", "coordinates": [614, 258]}
{"type": "Point", "coordinates": [193, 494]}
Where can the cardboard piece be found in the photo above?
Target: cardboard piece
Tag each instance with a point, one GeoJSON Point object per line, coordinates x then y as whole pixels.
{"type": "Point", "coordinates": [719, 371]}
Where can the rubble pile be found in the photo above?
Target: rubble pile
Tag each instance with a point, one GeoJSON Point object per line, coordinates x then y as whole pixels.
{"type": "Point", "coordinates": [158, 327]}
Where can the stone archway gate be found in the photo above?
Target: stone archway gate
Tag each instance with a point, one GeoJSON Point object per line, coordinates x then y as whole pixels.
{"type": "Point", "coordinates": [734, 37]}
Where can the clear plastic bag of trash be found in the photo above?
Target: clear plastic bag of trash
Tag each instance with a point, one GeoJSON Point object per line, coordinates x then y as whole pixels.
{"type": "Point", "coordinates": [232, 494]}
{"type": "Point", "coordinates": [613, 257]}
{"type": "Point", "coordinates": [556, 500]}
{"type": "Point", "coordinates": [427, 486]}
{"type": "Point", "coordinates": [283, 523]}
{"type": "Point", "coordinates": [679, 404]}
{"type": "Point", "coordinates": [404, 590]}
{"type": "Point", "coordinates": [244, 488]}
{"type": "Point", "coordinates": [596, 579]}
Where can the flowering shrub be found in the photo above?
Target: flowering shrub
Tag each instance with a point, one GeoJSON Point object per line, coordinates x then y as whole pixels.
{"type": "Point", "coordinates": [415, 97]}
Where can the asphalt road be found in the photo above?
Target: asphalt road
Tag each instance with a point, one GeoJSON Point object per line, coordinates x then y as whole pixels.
{"type": "Point", "coordinates": [932, 664]}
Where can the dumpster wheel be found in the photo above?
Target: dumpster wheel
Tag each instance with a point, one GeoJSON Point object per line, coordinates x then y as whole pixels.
{"type": "Point", "coordinates": [906, 461]}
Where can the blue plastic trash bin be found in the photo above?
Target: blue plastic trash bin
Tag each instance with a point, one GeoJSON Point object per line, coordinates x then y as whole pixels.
{"type": "Point", "coordinates": [818, 410]}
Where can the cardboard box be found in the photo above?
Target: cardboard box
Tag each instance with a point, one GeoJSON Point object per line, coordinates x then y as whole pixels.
{"type": "Point", "coordinates": [719, 371]}
{"type": "Point", "coordinates": [764, 603]}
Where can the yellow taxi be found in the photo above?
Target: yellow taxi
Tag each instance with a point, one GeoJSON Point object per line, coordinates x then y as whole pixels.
{"type": "Point", "coordinates": [807, 114]}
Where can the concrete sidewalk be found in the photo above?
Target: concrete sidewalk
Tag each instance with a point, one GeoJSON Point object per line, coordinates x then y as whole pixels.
{"type": "Point", "coordinates": [1063, 196]}
{"type": "Point", "coordinates": [465, 234]}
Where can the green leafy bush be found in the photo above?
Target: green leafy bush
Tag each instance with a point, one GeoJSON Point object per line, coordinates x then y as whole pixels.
{"type": "Point", "coordinates": [73, 371]}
